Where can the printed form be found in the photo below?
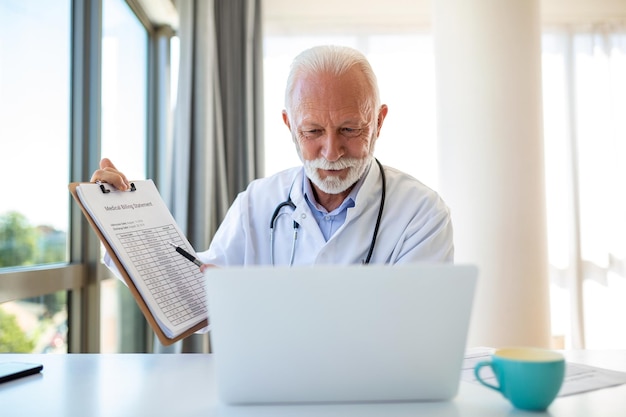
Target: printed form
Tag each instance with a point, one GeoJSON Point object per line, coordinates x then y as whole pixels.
{"type": "Point", "coordinates": [139, 227]}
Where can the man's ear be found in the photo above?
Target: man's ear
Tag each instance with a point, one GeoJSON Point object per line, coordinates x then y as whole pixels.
{"type": "Point", "coordinates": [286, 120]}
{"type": "Point", "coordinates": [382, 113]}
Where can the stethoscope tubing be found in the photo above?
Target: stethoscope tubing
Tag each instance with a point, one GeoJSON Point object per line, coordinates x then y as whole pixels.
{"type": "Point", "coordinates": [275, 215]}
{"type": "Point", "coordinates": [380, 212]}
{"type": "Point", "coordinates": [289, 203]}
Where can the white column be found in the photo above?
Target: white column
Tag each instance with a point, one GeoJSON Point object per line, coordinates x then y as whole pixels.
{"type": "Point", "coordinates": [488, 56]}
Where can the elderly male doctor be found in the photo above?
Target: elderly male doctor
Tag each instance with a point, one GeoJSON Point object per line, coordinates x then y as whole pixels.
{"type": "Point", "coordinates": [342, 206]}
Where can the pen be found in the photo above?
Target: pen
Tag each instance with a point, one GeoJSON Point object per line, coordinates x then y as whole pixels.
{"type": "Point", "coordinates": [187, 254]}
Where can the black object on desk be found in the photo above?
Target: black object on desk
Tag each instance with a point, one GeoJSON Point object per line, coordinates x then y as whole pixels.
{"type": "Point", "coordinates": [13, 370]}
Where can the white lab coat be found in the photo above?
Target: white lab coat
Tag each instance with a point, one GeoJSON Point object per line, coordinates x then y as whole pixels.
{"type": "Point", "coordinates": [415, 225]}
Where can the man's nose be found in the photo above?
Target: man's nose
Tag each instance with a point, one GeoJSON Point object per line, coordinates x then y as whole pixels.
{"type": "Point", "coordinates": [333, 147]}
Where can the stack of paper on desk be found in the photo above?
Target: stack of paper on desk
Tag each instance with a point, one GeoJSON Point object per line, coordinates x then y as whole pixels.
{"type": "Point", "coordinates": [579, 378]}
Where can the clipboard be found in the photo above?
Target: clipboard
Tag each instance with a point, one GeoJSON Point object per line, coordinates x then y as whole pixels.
{"type": "Point", "coordinates": [148, 313]}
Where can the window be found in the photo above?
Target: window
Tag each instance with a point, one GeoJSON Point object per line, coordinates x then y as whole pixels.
{"type": "Point", "coordinates": [35, 40]}
{"type": "Point", "coordinates": [66, 97]}
{"type": "Point", "coordinates": [34, 126]}
{"type": "Point", "coordinates": [124, 141]}
{"type": "Point", "coordinates": [585, 140]}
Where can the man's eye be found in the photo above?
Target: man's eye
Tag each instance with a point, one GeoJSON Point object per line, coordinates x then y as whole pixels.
{"type": "Point", "coordinates": [312, 133]}
{"type": "Point", "coordinates": [350, 132]}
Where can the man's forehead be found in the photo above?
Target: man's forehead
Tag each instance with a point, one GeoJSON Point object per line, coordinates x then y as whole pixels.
{"type": "Point", "coordinates": [314, 112]}
{"type": "Point", "coordinates": [346, 104]}
{"type": "Point", "coordinates": [324, 96]}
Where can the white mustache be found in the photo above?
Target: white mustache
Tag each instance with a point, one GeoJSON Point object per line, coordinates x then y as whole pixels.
{"type": "Point", "coordinates": [343, 163]}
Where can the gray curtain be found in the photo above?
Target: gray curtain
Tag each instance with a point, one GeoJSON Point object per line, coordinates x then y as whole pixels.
{"type": "Point", "coordinates": [217, 145]}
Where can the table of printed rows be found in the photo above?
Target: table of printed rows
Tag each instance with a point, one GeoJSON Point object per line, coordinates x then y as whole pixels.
{"type": "Point", "coordinates": [176, 283]}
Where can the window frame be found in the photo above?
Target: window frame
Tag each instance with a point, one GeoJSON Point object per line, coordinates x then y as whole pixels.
{"type": "Point", "coordinates": [82, 274]}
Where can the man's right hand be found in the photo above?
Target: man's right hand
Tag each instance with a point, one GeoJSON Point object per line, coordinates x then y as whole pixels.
{"type": "Point", "coordinates": [109, 174]}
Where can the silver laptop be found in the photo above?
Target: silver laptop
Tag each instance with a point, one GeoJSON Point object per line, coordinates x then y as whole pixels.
{"type": "Point", "coordinates": [339, 333]}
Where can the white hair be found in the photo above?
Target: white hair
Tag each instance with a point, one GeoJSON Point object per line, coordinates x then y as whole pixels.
{"type": "Point", "coordinates": [336, 60]}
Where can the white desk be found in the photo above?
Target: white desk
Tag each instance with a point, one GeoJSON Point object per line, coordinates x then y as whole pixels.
{"type": "Point", "coordinates": [182, 385]}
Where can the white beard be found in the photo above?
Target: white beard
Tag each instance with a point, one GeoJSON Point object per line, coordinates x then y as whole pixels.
{"type": "Point", "coordinates": [333, 184]}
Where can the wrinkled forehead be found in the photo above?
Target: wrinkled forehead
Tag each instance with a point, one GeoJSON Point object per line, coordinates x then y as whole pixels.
{"type": "Point", "coordinates": [328, 93]}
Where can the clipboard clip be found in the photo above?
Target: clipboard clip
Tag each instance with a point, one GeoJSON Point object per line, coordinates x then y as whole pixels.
{"type": "Point", "coordinates": [105, 190]}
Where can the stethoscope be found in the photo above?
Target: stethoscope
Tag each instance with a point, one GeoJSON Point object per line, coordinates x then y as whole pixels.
{"type": "Point", "coordinates": [288, 203]}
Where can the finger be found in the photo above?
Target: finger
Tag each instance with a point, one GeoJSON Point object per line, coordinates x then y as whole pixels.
{"type": "Point", "coordinates": [106, 163]}
{"type": "Point", "coordinates": [204, 267]}
{"type": "Point", "coordinates": [109, 174]}
{"type": "Point", "coordinates": [119, 179]}
{"type": "Point", "coordinates": [110, 177]}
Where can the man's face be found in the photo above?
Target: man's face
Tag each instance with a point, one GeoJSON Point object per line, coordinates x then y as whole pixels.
{"type": "Point", "coordinates": [334, 127]}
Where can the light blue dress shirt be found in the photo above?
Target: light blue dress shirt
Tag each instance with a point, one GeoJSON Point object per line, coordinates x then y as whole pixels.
{"type": "Point", "coordinates": [329, 223]}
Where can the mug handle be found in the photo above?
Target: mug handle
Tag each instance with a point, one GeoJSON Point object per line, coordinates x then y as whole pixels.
{"type": "Point", "coordinates": [477, 369]}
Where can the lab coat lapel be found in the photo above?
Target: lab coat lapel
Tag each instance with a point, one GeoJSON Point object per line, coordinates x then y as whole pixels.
{"type": "Point", "coordinates": [302, 214]}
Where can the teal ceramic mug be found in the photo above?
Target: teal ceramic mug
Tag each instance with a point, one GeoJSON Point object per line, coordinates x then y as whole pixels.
{"type": "Point", "coordinates": [530, 378]}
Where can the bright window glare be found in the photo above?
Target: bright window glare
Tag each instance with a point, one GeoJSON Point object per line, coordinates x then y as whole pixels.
{"type": "Point", "coordinates": [585, 146]}
{"type": "Point", "coordinates": [124, 89]}
{"type": "Point", "coordinates": [34, 110]}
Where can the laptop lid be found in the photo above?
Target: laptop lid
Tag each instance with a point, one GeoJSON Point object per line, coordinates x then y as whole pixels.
{"type": "Point", "coordinates": [339, 333]}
